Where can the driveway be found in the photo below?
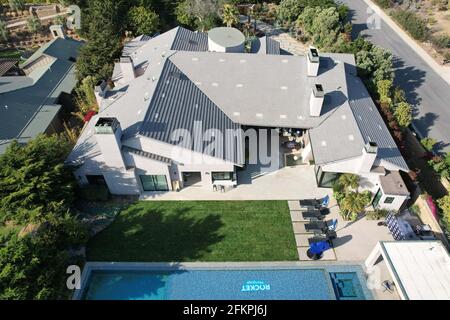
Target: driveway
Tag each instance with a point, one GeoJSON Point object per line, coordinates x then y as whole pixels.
{"type": "Point", "coordinates": [425, 89]}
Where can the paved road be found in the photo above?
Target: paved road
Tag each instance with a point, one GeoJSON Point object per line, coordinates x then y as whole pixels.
{"type": "Point", "coordinates": [425, 89]}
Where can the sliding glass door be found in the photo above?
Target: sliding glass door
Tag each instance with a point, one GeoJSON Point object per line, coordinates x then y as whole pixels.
{"type": "Point", "coordinates": [154, 183]}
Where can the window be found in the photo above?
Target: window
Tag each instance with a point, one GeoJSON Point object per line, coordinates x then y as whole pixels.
{"type": "Point", "coordinates": [220, 176]}
{"type": "Point", "coordinates": [389, 200]}
{"type": "Point", "coordinates": [154, 183]}
{"type": "Point", "coordinates": [96, 180]}
{"type": "Point", "coordinates": [326, 179]}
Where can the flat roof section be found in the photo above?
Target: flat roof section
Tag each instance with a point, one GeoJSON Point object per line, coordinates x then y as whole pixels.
{"type": "Point", "coordinates": [226, 37]}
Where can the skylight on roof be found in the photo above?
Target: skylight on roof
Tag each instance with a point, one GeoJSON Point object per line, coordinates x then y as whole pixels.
{"type": "Point", "coordinates": [285, 61]}
{"type": "Point", "coordinates": [300, 118]}
{"type": "Point", "coordinates": [242, 61]}
{"type": "Point", "coordinates": [344, 117]}
{"type": "Point", "coordinates": [237, 114]}
{"type": "Point", "coordinates": [283, 116]}
{"type": "Point", "coordinates": [351, 137]}
{"type": "Point", "coordinates": [215, 84]}
{"type": "Point", "coordinates": [194, 59]}
{"type": "Point", "coordinates": [284, 88]}
{"type": "Point", "coordinates": [259, 115]}
{"type": "Point", "coordinates": [239, 85]}
{"type": "Point", "coordinates": [324, 143]}
{"type": "Point", "coordinates": [221, 60]}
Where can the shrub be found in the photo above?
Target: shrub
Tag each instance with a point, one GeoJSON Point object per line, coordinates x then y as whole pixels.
{"type": "Point", "coordinates": [441, 41]}
{"type": "Point", "coordinates": [428, 143]}
{"type": "Point", "coordinates": [412, 23]}
{"type": "Point", "coordinates": [94, 193]}
{"type": "Point", "coordinates": [376, 215]}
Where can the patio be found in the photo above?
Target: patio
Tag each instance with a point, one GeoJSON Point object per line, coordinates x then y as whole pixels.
{"type": "Point", "coordinates": [284, 184]}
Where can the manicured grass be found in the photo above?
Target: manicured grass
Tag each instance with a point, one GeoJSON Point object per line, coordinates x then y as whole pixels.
{"type": "Point", "coordinates": [198, 231]}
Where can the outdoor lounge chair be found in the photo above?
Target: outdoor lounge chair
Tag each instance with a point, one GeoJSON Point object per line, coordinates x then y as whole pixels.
{"type": "Point", "coordinates": [313, 215]}
{"type": "Point", "coordinates": [318, 204]}
{"type": "Point", "coordinates": [316, 226]}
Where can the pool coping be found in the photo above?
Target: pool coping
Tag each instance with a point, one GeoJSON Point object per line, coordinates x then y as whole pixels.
{"type": "Point", "coordinates": [329, 266]}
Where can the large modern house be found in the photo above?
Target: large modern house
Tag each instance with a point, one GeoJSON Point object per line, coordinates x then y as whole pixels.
{"type": "Point", "coordinates": [32, 93]}
{"type": "Point", "coordinates": [185, 105]}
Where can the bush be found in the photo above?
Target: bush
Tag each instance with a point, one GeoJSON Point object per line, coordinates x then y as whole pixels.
{"type": "Point", "coordinates": [428, 143]}
{"type": "Point", "coordinates": [376, 215]}
{"type": "Point", "coordinates": [94, 193]}
{"type": "Point", "coordinates": [441, 41]}
{"type": "Point", "coordinates": [412, 23]}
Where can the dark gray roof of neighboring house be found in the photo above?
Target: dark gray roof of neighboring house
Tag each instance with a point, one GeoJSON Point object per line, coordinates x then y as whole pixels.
{"type": "Point", "coordinates": [187, 40]}
{"type": "Point", "coordinates": [177, 104]}
{"type": "Point", "coordinates": [28, 111]}
{"type": "Point", "coordinates": [7, 64]}
{"type": "Point", "coordinates": [371, 124]}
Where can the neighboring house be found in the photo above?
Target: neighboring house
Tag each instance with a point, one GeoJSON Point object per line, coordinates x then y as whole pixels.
{"type": "Point", "coordinates": [205, 83]}
{"type": "Point", "coordinates": [32, 93]}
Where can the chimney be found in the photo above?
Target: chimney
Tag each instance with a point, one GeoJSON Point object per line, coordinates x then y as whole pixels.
{"type": "Point", "coordinates": [100, 92]}
{"type": "Point", "coordinates": [316, 100]}
{"type": "Point", "coordinates": [57, 31]}
{"type": "Point", "coordinates": [127, 68]}
{"type": "Point", "coordinates": [369, 156]}
{"type": "Point", "coordinates": [313, 61]}
{"type": "Point", "coordinates": [108, 134]}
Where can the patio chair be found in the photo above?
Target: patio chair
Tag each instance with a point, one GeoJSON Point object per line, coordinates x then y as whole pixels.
{"type": "Point", "coordinates": [313, 215]}
{"type": "Point", "coordinates": [316, 226]}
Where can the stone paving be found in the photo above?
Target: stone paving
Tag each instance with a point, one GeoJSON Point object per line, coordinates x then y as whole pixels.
{"type": "Point", "coordinates": [287, 42]}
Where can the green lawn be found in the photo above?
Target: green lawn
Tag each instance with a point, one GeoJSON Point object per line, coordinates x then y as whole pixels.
{"type": "Point", "coordinates": [198, 231]}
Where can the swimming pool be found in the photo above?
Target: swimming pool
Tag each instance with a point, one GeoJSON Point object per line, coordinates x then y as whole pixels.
{"type": "Point", "coordinates": [223, 284]}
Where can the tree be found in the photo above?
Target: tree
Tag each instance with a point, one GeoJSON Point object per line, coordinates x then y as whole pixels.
{"type": "Point", "coordinates": [354, 203]}
{"type": "Point", "coordinates": [384, 88]}
{"type": "Point", "coordinates": [102, 26]}
{"type": "Point", "coordinates": [4, 34]}
{"type": "Point", "coordinates": [183, 15]}
{"type": "Point", "coordinates": [34, 267]}
{"type": "Point", "coordinates": [142, 21]}
{"type": "Point", "coordinates": [428, 143]}
{"type": "Point", "coordinates": [203, 12]}
{"type": "Point", "coordinates": [230, 14]}
{"type": "Point", "coordinates": [16, 5]}
{"type": "Point", "coordinates": [34, 24]}
{"type": "Point", "coordinates": [288, 11]}
{"type": "Point", "coordinates": [322, 26]}
{"type": "Point", "coordinates": [34, 180]}
{"type": "Point", "coordinates": [375, 64]}
{"type": "Point", "coordinates": [403, 114]}
{"type": "Point", "coordinates": [349, 180]}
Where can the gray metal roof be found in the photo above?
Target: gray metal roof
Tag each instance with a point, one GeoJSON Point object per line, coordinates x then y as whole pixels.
{"type": "Point", "coordinates": [187, 40]}
{"type": "Point", "coordinates": [147, 155]}
{"type": "Point", "coordinates": [178, 104]}
{"type": "Point", "coordinates": [371, 124]}
{"type": "Point", "coordinates": [28, 111]}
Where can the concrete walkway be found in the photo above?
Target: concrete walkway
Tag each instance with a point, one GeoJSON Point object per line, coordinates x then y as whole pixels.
{"type": "Point", "coordinates": [302, 236]}
{"type": "Point", "coordinates": [287, 42]}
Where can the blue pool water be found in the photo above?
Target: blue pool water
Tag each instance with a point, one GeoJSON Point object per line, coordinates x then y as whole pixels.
{"type": "Point", "coordinates": [279, 284]}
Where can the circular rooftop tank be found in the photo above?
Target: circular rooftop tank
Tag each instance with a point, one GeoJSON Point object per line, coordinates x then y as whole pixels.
{"type": "Point", "coordinates": [226, 39]}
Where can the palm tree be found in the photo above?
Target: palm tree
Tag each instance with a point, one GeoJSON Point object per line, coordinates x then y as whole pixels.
{"type": "Point", "coordinates": [354, 203]}
{"type": "Point", "coordinates": [230, 14]}
{"type": "Point", "coordinates": [349, 181]}
{"type": "Point", "coordinates": [4, 34]}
